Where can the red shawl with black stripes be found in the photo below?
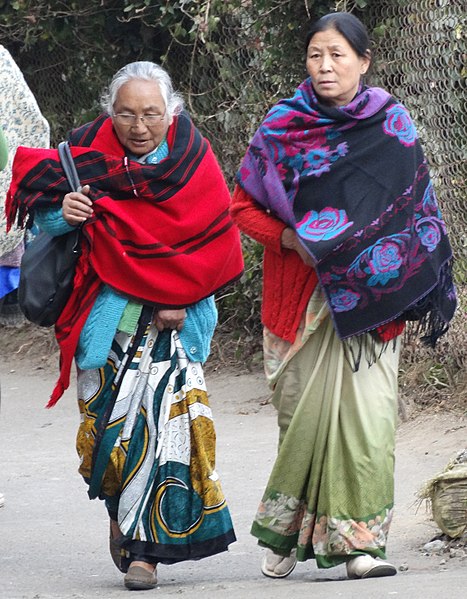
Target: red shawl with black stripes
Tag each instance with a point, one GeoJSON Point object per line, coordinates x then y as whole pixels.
{"type": "Point", "coordinates": [160, 235]}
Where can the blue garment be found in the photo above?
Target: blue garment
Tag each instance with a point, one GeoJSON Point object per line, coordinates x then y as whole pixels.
{"type": "Point", "coordinates": [154, 157]}
{"type": "Point", "coordinates": [102, 323]}
{"type": "Point", "coordinates": [51, 221]}
{"type": "Point", "coordinates": [9, 279]}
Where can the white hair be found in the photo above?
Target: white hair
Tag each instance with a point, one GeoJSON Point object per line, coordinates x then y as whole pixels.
{"type": "Point", "coordinates": [149, 71]}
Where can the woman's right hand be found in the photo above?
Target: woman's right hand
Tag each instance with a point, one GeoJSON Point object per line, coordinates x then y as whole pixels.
{"type": "Point", "coordinates": [289, 240]}
{"type": "Point", "coordinates": [170, 319]}
{"type": "Point", "coordinates": [77, 207]}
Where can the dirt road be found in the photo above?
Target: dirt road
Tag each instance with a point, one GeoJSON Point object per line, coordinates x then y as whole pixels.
{"type": "Point", "coordinates": [54, 540]}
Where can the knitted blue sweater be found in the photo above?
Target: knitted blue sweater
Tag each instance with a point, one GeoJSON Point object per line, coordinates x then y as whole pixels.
{"type": "Point", "coordinates": [102, 323]}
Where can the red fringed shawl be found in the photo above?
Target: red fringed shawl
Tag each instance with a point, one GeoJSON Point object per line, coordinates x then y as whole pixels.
{"type": "Point", "coordinates": [160, 235]}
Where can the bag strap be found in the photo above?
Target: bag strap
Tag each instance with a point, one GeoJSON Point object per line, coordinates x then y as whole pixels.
{"type": "Point", "coordinates": [68, 165]}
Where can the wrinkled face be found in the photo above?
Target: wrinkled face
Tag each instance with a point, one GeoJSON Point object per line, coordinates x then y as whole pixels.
{"type": "Point", "coordinates": [334, 67]}
{"type": "Point", "coordinates": [139, 98]}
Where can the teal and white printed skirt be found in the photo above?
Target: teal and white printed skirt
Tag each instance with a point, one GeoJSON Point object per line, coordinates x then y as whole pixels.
{"type": "Point", "coordinates": [147, 447]}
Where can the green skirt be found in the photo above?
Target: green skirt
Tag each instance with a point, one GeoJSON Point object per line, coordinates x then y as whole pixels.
{"type": "Point", "coordinates": [147, 447]}
{"type": "Point", "coordinates": [331, 491]}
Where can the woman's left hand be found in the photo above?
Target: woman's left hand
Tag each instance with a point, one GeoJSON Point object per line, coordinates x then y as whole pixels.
{"type": "Point", "coordinates": [170, 319]}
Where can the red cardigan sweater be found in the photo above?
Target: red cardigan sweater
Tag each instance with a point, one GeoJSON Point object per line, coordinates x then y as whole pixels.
{"type": "Point", "coordinates": [287, 282]}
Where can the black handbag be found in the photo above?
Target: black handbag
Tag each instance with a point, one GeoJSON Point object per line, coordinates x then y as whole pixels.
{"type": "Point", "coordinates": [48, 265]}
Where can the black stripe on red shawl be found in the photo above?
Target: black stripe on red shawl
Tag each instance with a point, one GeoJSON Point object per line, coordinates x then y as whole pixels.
{"type": "Point", "coordinates": [84, 135]}
{"type": "Point", "coordinates": [219, 225]}
{"type": "Point", "coordinates": [112, 173]}
{"type": "Point", "coordinates": [187, 149]}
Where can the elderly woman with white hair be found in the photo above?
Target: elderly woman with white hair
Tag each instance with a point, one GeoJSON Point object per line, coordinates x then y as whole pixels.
{"type": "Point", "coordinates": [157, 243]}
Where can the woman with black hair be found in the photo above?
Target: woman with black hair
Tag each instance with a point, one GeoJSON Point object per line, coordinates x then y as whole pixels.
{"type": "Point", "coordinates": [336, 187]}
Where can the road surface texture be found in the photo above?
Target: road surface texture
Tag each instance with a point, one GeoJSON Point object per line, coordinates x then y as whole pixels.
{"type": "Point", "coordinates": [54, 540]}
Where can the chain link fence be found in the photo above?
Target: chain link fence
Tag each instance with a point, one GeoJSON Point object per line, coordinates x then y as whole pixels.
{"type": "Point", "coordinates": [421, 58]}
{"type": "Point", "coordinates": [421, 51]}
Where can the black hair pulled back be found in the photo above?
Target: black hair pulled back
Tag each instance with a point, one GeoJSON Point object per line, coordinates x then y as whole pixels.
{"type": "Point", "coordinates": [348, 25]}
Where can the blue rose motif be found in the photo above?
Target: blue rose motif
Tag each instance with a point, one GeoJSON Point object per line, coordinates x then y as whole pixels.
{"type": "Point", "coordinates": [384, 263]}
{"type": "Point", "coordinates": [324, 225]}
{"type": "Point", "coordinates": [318, 162]}
{"type": "Point", "coordinates": [344, 300]}
{"type": "Point", "coordinates": [321, 159]}
{"type": "Point", "coordinates": [317, 157]}
{"type": "Point", "coordinates": [430, 236]}
{"type": "Point", "coordinates": [399, 124]}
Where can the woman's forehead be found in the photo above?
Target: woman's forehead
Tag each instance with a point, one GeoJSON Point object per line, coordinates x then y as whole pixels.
{"type": "Point", "coordinates": [328, 38]}
{"type": "Point", "coordinates": [140, 91]}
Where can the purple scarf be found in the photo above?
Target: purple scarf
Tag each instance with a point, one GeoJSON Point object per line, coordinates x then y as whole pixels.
{"type": "Point", "coordinates": [354, 183]}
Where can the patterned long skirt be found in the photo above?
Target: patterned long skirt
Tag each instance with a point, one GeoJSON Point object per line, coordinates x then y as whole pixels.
{"type": "Point", "coordinates": [147, 447]}
{"type": "Point", "coordinates": [331, 491]}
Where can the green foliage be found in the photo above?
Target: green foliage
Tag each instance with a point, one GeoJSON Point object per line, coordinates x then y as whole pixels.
{"type": "Point", "coordinates": [241, 305]}
{"type": "Point", "coordinates": [239, 333]}
{"type": "Point", "coordinates": [80, 45]}
{"type": "Point", "coordinates": [351, 5]}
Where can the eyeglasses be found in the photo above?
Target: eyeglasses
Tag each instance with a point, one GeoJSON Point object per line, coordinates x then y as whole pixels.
{"type": "Point", "coordinates": [131, 120]}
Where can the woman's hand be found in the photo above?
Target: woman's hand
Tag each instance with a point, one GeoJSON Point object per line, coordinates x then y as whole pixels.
{"type": "Point", "coordinates": [170, 319]}
{"type": "Point", "coordinates": [77, 207]}
{"type": "Point", "coordinates": [289, 240]}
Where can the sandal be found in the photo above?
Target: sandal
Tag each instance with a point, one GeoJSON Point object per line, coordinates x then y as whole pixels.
{"type": "Point", "coordinates": [140, 579]}
{"type": "Point", "coordinates": [366, 566]}
{"type": "Point", "coordinates": [278, 566]}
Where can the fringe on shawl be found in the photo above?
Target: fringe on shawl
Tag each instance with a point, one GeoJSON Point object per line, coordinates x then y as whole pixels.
{"type": "Point", "coordinates": [426, 320]}
{"type": "Point", "coordinates": [368, 347]}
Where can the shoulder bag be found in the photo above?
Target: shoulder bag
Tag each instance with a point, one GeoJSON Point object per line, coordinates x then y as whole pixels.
{"type": "Point", "coordinates": [48, 265]}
